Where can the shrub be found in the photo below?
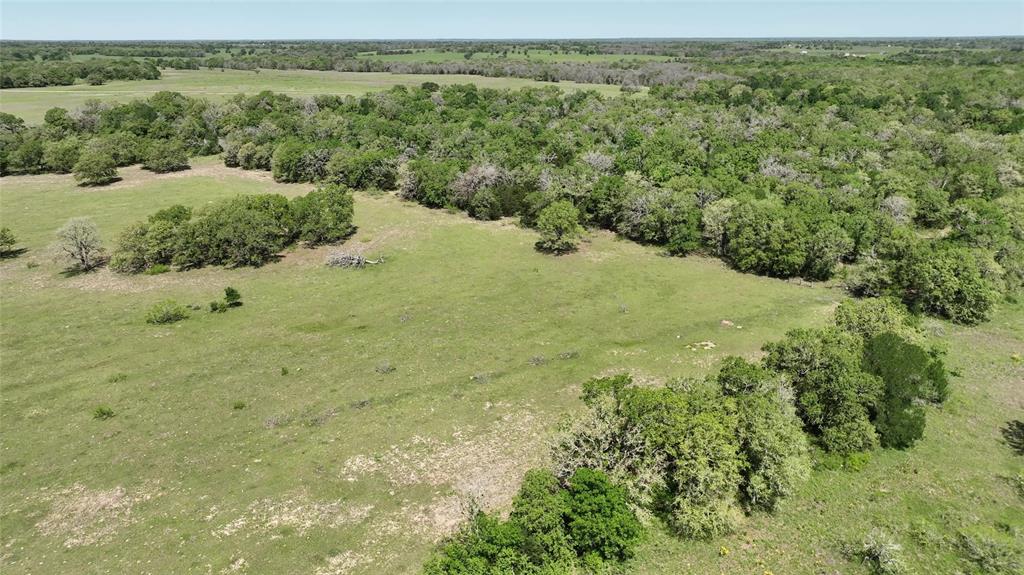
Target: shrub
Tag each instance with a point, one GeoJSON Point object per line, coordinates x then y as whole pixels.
{"type": "Point", "coordinates": [78, 244]}
{"type": "Point", "coordinates": [157, 269]}
{"type": "Point", "coordinates": [872, 316]}
{"type": "Point", "coordinates": [765, 238]}
{"type": "Point", "coordinates": [598, 520]}
{"type": "Point", "coordinates": [165, 312]}
{"type": "Point", "coordinates": [551, 530]}
{"type": "Point", "coordinates": [990, 555]}
{"type": "Point", "coordinates": [771, 438]}
{"type": "Point", "coordinates": [559, 227]}
{"type": "Point", "coordinates": [325, 214]}
{"type": "Point", "coordinates": [540, 511]}
{"type": "Point", "coordinates": [232, 297]}
{"type": "Point", "coordinates": [218, 306]}
{"type": "Point", "coordinates": [95, 167]}
{"type": "Point", "coordinates": [286, 163]}
{"type": "Point", "coordinates": [363, 170]}
{"type": "Point", "coordinates": [428, 182]}
{"type": "Point", "coordinates": [62, 155]}
{"type": "Point", "coordinates": [102, 413]}
{"type": "Point", "coordinates": [883, 555]}
{"type": "Point", "coordinates": [7, 242]}
{"type": "Point", "coordinates": [166, 156]}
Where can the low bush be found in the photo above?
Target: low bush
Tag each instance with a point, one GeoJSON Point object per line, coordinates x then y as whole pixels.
{"type": "Point", "coordinates": [167, 311]}
{"type": "Point", "coordinates": [102, 413]}
{"type": "Point", "coordinates": [883, 555]}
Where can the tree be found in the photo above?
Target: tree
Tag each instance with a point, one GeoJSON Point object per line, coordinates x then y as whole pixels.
{"type": "Point", "coordinates": [166, 156]}
{"type": "Point", "coordinates": [771, 437]}
{"type": "Point", "coordinates": [598, 519]}
{"type": "Point", "coordinates": [946, 281]}
{"type": "Point", "coordinates": [325, 214]}
{"type": "Point", "coordinates": [286, 162]}
{"type": "Point", "coordinates": [559, 227]}
{"type": "Point", "coordinates": [78, 243]}
{"type": "Point", "coordinates": [62, 155]}
{"type": "Point", "coordinates": [909, 374]}
{"type": "Point", "coordinates": [834, 397]}
{"type": "Point", "coordinates": [95, 167]}
{"type": "Point", "coordinates": [7, 242]}
{"type": "Point", "coordinates": [765, 238]}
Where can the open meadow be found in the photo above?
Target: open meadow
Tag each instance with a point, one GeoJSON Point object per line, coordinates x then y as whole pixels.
{"type": "Point", "coordinates": [340, 420]}
{"type": "Point", "coordinates": [31, 104]}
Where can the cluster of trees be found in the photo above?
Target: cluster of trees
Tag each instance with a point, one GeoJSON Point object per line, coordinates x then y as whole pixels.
{"type": "Point", "coordinates": [698, 455]}
{"type": "Point", "coordinates": [556, 527]}
{"type": "Point", "coordinates": [864, 381]}
{"type": "Point", "coordinates": [248, 230]}
{"type": "Point", "coordinates": [160, 132]}
{"type": "Point", "coordinates": [902, 194]}
{"type": "Point", "coordinates": [36, 73]}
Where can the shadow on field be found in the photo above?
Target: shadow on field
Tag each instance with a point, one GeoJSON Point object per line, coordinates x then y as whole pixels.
{"type": "Point", "coordinates": [1013, 433]}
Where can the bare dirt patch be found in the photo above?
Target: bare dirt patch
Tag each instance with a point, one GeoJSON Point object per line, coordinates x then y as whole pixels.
{"type": "Point", "coordinates": [85, 516]}
{"type": "Point", "coordinates": [299, 513]}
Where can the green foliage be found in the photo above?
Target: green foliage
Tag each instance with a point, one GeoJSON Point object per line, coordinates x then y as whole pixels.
{"type": "Point", "coordinates": [324, 215]}
{"type": "Point", "coordinates": [598, 520]}
{"type": "Point", "coordinates": [948, 282]}
{"type": "Point", "coordinates": [834, 397]}
{"type": "Point", "coordinates": [909, 374]}
{"type": "Point", "coordinates": [166, 156]}
{"type": "Point", "coordinates": [7, 241]}
{"type": "Point", "coordinates": [770, 434]}
{"type": "Point", "coordinates": [62, 155]}
{"type": "Point", "coordinates": [103, 413]}
{"type": "Point", "coordinates": [872, 316]}
{"type": "Point", "coordinates": [559, 227]}
{"type": "Point", "coordinates": [764, 238]}
{"type": "Point", "coordinates": [427, 182]}
{"type": "Point", "coordinates": [286, 163]}
{"type": "Point", "coordinates": [232, 297]}
{"type": "Point", "coordinates": [95, 167]}
{"type": "Point", "coordinates": [551, 530]}
{"type": "Point", "coordinates": [363, 170]}
{"type": "Point", "coordinates": [167, 311]}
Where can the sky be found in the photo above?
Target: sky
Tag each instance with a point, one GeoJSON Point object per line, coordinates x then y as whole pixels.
{"type": "Point", "coordinates": [482, 19]}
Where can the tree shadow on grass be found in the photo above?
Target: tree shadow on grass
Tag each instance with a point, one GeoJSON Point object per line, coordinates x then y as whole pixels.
{"type": "Point", "coordinates": [1013, 433]}
{"type": "Point", "coordinates": [11, 254]}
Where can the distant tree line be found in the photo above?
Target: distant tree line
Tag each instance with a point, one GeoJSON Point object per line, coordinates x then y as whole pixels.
{"type": "Point", "coordinates": [33, 74]}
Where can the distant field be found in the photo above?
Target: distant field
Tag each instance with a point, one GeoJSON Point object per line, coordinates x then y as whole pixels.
{"type": "Point", "coordinates": [32, 103]}
{"type": "Point", "coordinates": [533, 55]}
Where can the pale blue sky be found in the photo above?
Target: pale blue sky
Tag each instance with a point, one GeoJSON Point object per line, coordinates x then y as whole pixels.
{"type": "Point", "coordinates": [347, 19]}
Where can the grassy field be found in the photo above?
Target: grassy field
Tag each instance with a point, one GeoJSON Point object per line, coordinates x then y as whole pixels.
{"type": "Point", "coordinates": [533, 56]}
{"type": "Point", "coordinates": [377, 402]}
{"type": "Point", "coordinates": [32, 103]}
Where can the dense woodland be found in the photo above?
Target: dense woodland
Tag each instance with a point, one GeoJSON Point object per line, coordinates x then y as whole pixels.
{"type": "Point", "coordinates": [905, 184]}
